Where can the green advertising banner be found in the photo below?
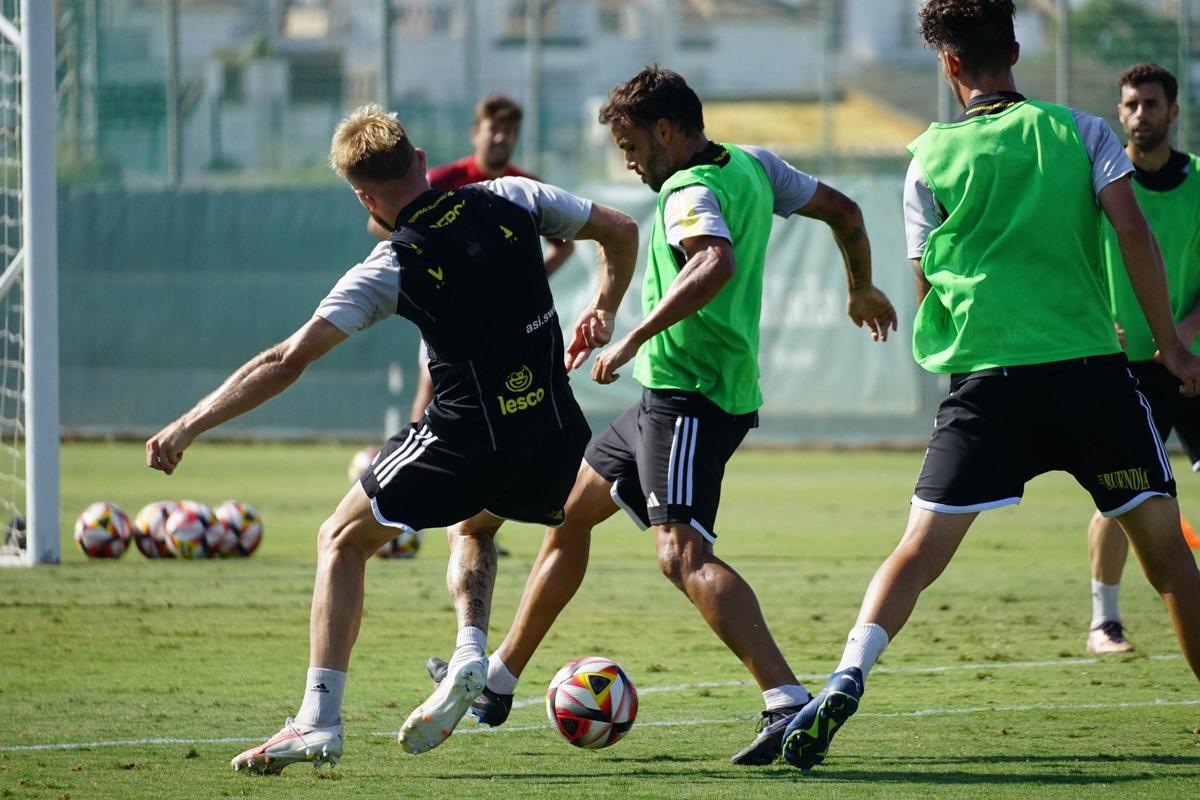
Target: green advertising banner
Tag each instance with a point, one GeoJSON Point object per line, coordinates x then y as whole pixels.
{"type": "Point", "coordinates": [164, 293]}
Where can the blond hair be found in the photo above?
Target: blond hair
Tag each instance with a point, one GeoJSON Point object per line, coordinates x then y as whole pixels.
{"type": "Point", "coordinates": [370, 144]}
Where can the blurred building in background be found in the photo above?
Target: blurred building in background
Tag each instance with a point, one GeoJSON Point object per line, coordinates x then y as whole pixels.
{"type": "Point", "coordinates": [197, 205]}
{"type": "Point", "coordinates": [202, 90]}
{"type": "Point", "coordinates": [248, 90]}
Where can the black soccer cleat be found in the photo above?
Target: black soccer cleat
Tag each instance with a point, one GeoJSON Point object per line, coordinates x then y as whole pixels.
{"type": "Point", "coordinates": [490, 708]}
{"type": "Point", "coordinates": [768, 744]}
{"type": "Point", "coordinates": [806, 740]}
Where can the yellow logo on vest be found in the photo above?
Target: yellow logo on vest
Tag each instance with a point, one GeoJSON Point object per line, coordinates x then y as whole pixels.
{"type": "Point", "coordinates": [449, 217]}
{"type": "Point", "coordinates": [1135, 480]}
{"type": "Point", "coordinates": [519, 383]}
{"type": "Point", "coordinates": [520, 380]}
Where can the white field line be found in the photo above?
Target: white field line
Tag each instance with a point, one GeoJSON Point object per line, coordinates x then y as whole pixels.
{"type": "Point", "coordinates": [924, 712]}
{"type": "Point", "coordinates": [483, 729]}
{"type": "Point", "coordinates": [1058, 662]}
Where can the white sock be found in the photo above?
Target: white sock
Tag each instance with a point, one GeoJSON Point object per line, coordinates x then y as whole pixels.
{"type": "Point", "coordinates": [322, 704]}
{"type": "Point", "coordinates": [792, 694]}
{"type": "Point", "coordinates": [1104, 603]}
{"type": "Point", "coordinates": [499, 679]}
{"type": "Point", "coordinates": [470, 646]}
{"type": "Point", "coordinates": [863, 646]}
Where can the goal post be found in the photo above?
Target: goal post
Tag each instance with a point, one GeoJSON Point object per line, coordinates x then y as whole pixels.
{"type": "Point", "coordinates": [29, 391]}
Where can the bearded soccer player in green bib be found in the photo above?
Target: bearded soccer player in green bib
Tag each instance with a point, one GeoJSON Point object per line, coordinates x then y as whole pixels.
{"type": "Point", "coordinates": [1167, 185]}
{"type": "Point", "coordinates": [1002, 211]}
{"type": "Point", "coordinates": [697, 357]}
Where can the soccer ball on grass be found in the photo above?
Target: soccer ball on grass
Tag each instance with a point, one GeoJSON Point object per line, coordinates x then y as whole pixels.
{"type": "Point", "coordinates": [193, 532]}
{"type": "Point", "coordinates": [150, 529]}
{"type": "Point", "coordinates": [405, 545]}
{"type": "Point", "coordinates": [103, 531]}
{"type": "Point", "coordinates": [359, 463]}
{"type": "Point", "coordinates": [591, 702]}
{"type": "Point", "coordinates": [244, 524]}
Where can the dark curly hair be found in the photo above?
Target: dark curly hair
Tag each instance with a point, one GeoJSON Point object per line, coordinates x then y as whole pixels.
{"type": "Point", "coordinates": [1150, 73]}
{"type": "Point", "coordinates": [654, 94]}
{"type": "Point", "coordinates": [978, 32]}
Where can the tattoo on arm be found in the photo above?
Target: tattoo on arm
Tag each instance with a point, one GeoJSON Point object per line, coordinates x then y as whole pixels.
{"type": "Point", "coordinates": [856, 252]}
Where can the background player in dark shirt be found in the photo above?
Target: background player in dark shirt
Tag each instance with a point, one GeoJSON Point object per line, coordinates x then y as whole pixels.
{"type": "Point", "coordinates": [494, 136]}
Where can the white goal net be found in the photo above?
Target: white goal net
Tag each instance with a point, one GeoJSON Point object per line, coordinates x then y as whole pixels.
{"type": "Point", "coordinates": [28, 286]}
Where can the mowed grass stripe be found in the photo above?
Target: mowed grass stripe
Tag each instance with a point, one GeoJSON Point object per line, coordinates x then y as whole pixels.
{"type": "Point", "coordinates": [137, 651]}
{"type": "Point", "coordinates": [485, 730]}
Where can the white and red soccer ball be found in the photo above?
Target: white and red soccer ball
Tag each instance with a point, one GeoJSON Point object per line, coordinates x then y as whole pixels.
{"type": "Point", "coordinates": [359, 463]}
{"type": "Point", "coordinates": [244, 526]}
{"type": "Point", "coordinates": [150, 529]}
{"type": "Point", "coordinates": [591, 702]}
{"type": "Point", "coordinates": [103, 530]}
{"type": "Point", "coordinates": [192, 532]}
{"type": "Point", "coordinates": [406, 545]}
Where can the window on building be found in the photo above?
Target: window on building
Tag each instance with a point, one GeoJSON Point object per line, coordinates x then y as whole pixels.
{"type": "Point", "coordinates": [316, 78]}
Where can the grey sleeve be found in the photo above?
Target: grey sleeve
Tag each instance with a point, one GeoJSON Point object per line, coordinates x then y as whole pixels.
{"type": "Point", "coordinates": [693, 211]}
{"type": "Point", "coordinates": [921, 211]}
{"type": "Point", "coordinates": [793, 189]}
{"type": "Point", "coordinates": [559, 213]}
{"type": "Point", "coordinates": [1108, 157]}
{"type": "Point", "coordinates": [367, 293]}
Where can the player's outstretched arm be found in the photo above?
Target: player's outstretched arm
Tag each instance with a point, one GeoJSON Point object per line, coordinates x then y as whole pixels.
{"type": "Point", "coordinates": [255, 382]}
{"type": "Point", "coordinates": [865, 303]}
{"type": "Point", "coordinates": [708, 268]}
{"type": "Point", "coordinates": [616, 237]}
{"type": "Point", "coordinates": [1144, 264]}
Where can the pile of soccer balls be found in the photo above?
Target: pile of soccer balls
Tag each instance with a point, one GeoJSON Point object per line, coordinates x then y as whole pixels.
{"type": "Point", "coordinates": [168, 529]}
{"type": "Point", "coordinates": [408, 542]}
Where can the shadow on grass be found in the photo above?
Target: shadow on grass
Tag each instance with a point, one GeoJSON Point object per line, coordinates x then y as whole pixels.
{"type": "Point", "coordinates": [933, 771]}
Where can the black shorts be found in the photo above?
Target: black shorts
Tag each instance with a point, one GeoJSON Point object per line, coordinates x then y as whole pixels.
{"type": "Point", "coordinates": [999, 428]}
{"type": "Point", "coordinates": [666, 456]}
{"type": "Point", "coordinates": [1172, 411]}
{"type": "Point", "coordinates": [421, 480]}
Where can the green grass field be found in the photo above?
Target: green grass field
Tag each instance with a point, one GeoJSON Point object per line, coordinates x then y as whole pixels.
{"type": "Point", "coordinates": [140, 679]}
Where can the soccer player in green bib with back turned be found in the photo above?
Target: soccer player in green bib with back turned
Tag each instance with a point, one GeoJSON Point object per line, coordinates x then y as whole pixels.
{"type": "Point", "coordinates": [1002, 213]}
{"type": "Point", "coordinates": [1167, 185]}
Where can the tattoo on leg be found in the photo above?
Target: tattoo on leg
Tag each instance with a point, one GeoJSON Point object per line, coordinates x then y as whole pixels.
{"type": "Point", "coordinates": [470, 576]}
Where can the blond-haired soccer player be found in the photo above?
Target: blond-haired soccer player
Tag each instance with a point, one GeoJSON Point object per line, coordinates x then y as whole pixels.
{"type": "Point", "coordinates": [501, 439]}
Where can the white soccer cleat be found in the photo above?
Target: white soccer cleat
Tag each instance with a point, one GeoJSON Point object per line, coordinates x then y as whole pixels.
{"type": "Point", "coordinates": [1108, 637]}
{"type": "Point", "coordinates": [435, 719]}
{"type": "Point", "coordinates": [294, 742]}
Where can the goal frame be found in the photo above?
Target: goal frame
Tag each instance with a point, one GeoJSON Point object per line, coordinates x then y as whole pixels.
{"type": "Point", "coordinates": [37, 263]}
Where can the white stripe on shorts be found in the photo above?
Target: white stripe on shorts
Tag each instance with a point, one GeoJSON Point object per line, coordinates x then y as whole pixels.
{"type": "Point", "coordinates": [692, 456]}
{"type": "Point", "coordinates": [1163, 460]}
{"type": "Point", "coordinates": [679, 467]}
{"type": "Point", "coordinates": [671, 461]}
{"type": "Point", "coordinates": [383, 463]}
{"type": "Point", "coordinates": [411, 451]}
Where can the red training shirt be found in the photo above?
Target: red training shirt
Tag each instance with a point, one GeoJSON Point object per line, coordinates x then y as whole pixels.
{"type": "Point", "coordinates": [458, 174]}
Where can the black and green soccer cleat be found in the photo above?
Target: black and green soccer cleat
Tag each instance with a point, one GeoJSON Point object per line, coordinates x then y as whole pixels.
{"type": "Point", "coordinates": [768, 743]}
{"type": "Point", "coordinates": [806, 740]}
